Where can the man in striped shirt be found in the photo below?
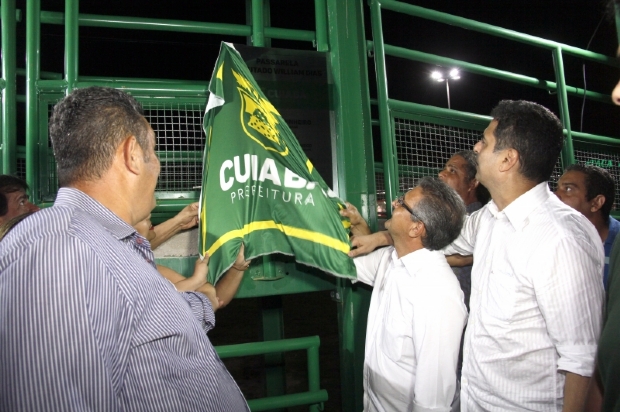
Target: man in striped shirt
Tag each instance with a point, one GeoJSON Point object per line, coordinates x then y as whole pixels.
{"type": "Point", "coordinates": [87, 322]}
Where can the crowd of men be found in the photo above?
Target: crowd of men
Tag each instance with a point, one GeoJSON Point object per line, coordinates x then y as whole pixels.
{"type": "Point", "coordinates": [476, 305]}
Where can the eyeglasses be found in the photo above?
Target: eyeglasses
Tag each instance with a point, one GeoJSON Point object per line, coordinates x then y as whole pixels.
{"type": "Point", "coordinates": [401, 202]}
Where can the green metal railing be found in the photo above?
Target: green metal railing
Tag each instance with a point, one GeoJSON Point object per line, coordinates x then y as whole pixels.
{"type": "Point", "coordinates": [38, 82]}
{"type": "Point", "coordinates": [313, 397]}
{"type": "Point", "coordinates": [388, 106]}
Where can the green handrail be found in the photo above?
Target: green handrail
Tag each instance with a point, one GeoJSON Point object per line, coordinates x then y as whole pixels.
{"type": "Point", "coordinates": [485, 28]}
{"type": "Point", "coordinates": [488, 71]}
{"type": "Point", "coordinates": [559, 86]}
{"type": "Point", "coordinates": [311, 344]}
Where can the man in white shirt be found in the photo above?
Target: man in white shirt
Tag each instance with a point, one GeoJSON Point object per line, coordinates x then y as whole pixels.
{"type": "Point", "coordinates": [417, 313]}
{"type": "Point", "coordinates": [536, 300]}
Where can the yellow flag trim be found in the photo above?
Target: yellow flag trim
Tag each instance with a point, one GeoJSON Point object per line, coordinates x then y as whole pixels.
{"type": "Point", "coordinates": [287, 230]}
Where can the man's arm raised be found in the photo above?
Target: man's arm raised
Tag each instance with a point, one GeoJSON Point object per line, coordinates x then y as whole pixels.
{"type": "Point", "coordinates": [367, 243]}
{"type": "Point", "coordinates": [185, 219]}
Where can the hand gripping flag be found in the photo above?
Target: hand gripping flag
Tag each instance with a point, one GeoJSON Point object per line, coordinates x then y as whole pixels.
{"type": "Point", "coordinates": [259, 188]}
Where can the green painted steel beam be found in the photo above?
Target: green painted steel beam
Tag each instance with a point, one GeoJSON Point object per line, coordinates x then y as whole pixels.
{"type": "Point", "coordinates": [489, 72]}
{"type": "Point", "coordinates": [43, 74]}
{"type": "Point", "coordinates": [592, 138]}
{"type": "Point", "coordinates": [262, 348]}
{"type": "Point", "coordinates": [320, 22]}
{"type": "Point", "coordinates": [72, 38]}
{"type": "Point", "coordinates": [140, 23]}
{"type": "Point", "coordinates": [284, 401]}
{"type": "Point", "coordinates": [568, 152]}
{"type": "Point", "coordinates": [133, 80]}
{"type": "Point", "coordinates": [258, 24]}
{"type": "Point", "coordinates": [9, 91]}
{"type": "Point", "coordinates": [440, 112]}
{"type": "Point", "coordinates": [33, 46]}
{"type": "Point", "coordinates": [388, 144]}
{"type": "Point", "coordinates": [154, 89]}
{"type": "Point", "coordinates": [495, 31]}
{"type": "Point", "coordinates": [183, 26]}
{"type": "Point", "coordinates": [355, 176]}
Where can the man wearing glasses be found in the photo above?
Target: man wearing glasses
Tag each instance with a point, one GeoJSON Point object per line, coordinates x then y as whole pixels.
{"type": "Point", "coordinates": [536, 293]}
{"type": "Point", "coordinates": [417, 313]}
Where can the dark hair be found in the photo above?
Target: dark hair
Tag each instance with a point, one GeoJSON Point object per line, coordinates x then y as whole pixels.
{"type": "Point", "coordinates": [482, 193]}
{"type": "Point", "coordinates": [9, 184]}
{"type": "Point", "coordinates": [86, 128]}
{"type": "Point", "coordinates": [11, 223]}
{"type": "Point", "coordinates": [441, 210]}
{"type": "Point", "coordinates": [534, 132]}
{"type": "Point", "coordinates": [598, 181]}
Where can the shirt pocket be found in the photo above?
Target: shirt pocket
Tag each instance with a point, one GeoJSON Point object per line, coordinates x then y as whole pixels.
{"type": "Point", "coordinates": [501, 295]}
{"type": "Point", "coordinates": [393, 339]}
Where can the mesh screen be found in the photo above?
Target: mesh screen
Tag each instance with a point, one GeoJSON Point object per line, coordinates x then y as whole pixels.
{"type": "Point", "coordinates": [21, 168]}
{"type": "Point", "coordinates": [424, 148]}
{"type": "Point", "coordinates": [180, 144]}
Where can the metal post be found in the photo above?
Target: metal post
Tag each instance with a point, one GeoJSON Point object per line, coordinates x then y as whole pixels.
{"type": "Point", "coordinates": [33, 45]}
{"type": "Point", "coordinates": [9, 92]}
{"type": "Point", "coordinates": [390, 163]}
{"type": "Point", "coordinates": [448, 91]}
{"type": "Point", "coordinates": [72, 34]}
{"type": "Point", "coordinates": [258, 24]}
{"type": "Point", "coordinates": [356, 175]}
{"type": "Point", "coordinates": [320, 18]}
{"type": "Point", "coordinates": [568, 153]}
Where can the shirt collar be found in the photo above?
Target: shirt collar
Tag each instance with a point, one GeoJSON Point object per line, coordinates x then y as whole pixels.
{"type": "Point", "coordinates": [72, 197]}
{"type": "Point", "coordinates": [414, 261]}
{"type": "Point", "coordinates": [520, 208]}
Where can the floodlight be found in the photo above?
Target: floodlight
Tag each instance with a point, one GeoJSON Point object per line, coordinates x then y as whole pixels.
{"type": "Point", "coordinates": [437, 76]}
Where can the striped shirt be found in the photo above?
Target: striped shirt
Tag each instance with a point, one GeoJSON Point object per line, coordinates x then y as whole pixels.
{"type": "Point", "coordinates": [536, 302]}
{"type": "Point", "coordinates": [87, 322]}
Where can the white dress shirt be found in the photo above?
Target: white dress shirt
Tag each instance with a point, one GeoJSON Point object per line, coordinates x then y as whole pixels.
{"type": "Point", "coordinates": [415, 322]}
{"type": "Point", "coordinates": [536, 302]}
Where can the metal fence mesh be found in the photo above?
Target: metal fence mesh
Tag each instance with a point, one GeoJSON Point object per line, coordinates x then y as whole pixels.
{"type": "Point", "coordinates": [423, 148]}
{"type": "Point", "coordinates": [180, 144]}
{"type": "Point", "coordinates": [21, 168]}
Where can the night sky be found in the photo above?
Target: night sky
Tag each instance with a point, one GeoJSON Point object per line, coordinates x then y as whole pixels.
{"type": "Point", "coordinates": [130, 53]}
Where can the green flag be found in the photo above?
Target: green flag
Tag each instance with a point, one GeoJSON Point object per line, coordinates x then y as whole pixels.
{"type": "Point", "coordinates": [259, 188]}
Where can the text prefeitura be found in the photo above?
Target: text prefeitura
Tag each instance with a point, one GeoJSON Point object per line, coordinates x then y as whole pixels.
{"type": "Point", "coordinates": [232, 171]}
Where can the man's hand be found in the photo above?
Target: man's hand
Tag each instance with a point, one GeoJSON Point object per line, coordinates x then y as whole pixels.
{"type": "Point", "coordinates": [359, 226]}
{"type": "Point", "coordinates": [368, 243]}
{"type": "Point", "coordinates": [228, 284]}
{"type": "Point", "coordinates": [187, 218]}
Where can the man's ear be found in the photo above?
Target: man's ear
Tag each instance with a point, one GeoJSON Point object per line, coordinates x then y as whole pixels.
{"type": "Point", "coordinates": [509, 160]}
{"type": "Point", "coordinates": [473, 185]}
{"type": "Point", "coordinates": [597, 203]}
{"type": "Point", "coordinates": [132, 154]}
{"type": "Point", "coordinates": [417, 229]}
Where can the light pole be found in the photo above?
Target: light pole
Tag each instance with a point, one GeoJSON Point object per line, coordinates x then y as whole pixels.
{"type": "Point", "coordinates": [440, 77]}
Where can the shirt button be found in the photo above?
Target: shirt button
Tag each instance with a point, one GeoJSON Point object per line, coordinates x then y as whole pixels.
{"type": "Point", "coordinates": [139, 241]}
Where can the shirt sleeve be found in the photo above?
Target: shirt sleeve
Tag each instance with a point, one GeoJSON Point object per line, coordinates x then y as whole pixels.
{"type": "Point", "coordinates": [439, 319]}
{"type": "Point", "coordinates": [368, 265]}
{"type": "Point", "coordinates": [570, 298]}
{"type": "Point", "coordinates": [464, 244]}
{"type": "Point", "coordinates": [201, 307]}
